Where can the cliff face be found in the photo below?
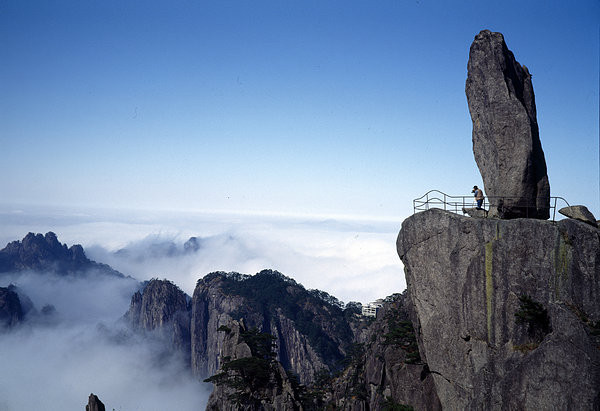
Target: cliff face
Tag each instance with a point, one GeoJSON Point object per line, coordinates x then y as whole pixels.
{"type": "Point", "coordinates": [250, 378]}
{"type": "Point", "coordinates": [508, 311]}
{"type": "Point", "coordinates": [163, 308]}
{"type": "Point", "coordinates": [311, 334]}
{"type": "Point", "coordinates": [386, 369]}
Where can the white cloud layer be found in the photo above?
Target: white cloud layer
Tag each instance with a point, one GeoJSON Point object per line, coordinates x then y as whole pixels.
{"type": "Point", "coordinates": [56, 364]}
{"type": "Point", "coordinates": [83, 349]}
{"type": "Point", "coordinates": [351, 259]}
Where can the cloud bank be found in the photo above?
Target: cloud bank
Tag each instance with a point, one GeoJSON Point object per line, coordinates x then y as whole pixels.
{"type": "Point", "coordinates": [350, 258]}
{"type": "Point", "coordinates": [55, 363]}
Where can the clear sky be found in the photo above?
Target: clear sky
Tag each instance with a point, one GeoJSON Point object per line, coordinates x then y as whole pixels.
{"type": "Point", "coordinates": [300, 107]}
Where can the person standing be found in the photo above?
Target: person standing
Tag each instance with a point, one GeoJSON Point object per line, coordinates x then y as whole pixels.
{"type": "Point", "coordinates": [478, 197]}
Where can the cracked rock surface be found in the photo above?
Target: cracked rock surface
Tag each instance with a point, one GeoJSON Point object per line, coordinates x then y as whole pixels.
{"type": "Point", "coordinates": [508, 311]}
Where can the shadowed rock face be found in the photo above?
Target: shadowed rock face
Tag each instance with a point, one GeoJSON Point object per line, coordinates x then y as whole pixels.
{"type": "Point", "coordinates": [39, 252]}
{"type": "Point", "coordinates": [272, 391]}
{"type": "Point", "coordinates": [508, 311]}
{"type": "Point", "coordinates": [387, 369]}
{"type": "Point", "coordinates": [506, 141]}
{"type": "Point", "coordinates": [11, 312]}
{"type": "Point", "coordinates": [94, 404]}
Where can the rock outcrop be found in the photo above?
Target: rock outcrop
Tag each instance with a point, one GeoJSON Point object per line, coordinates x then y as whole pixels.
{"type": "Point", "coordinates": [506, 139]}
{"type": "Point", "coordinates": [162, 308]}
{"type": "Point", "coordinates": [11, 312]}
{"type": "Point", "coordinates": [311, 333]}
{"type": "Point", "coordinates": [94, 404]}
{"type": "Point", "coordinates": [579, 212]}
{"type": "Point", "coordinates": [250, 378]}
{"type": "Point", "coordinates": [508, 312]}
{"type": "Point", "coordinates": [45, 253]}
{"type": "Point", "coordinates": [385, 370]}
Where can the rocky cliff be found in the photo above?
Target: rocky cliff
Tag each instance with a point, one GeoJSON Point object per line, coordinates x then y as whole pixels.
{"type": "Point", "coordinates": [386, 370]}
{"type": "Point", "coordinates": [311, 333]}
{"type": "Point", "coordinates": [250, 378]}
{"type": "Point", "coordinates": [45, 253]}
{"type": "Point", "coordinates": [508, 311]}
{"type": "Point", "coordinates": [162, 308]}
{"type": "Point", "coordinates": [506, 140]}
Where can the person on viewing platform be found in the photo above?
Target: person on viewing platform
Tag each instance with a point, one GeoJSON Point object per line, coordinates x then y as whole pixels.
{"type": "Point", "coordinates": [478, 197]}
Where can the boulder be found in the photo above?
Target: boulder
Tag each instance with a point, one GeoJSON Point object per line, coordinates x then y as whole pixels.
{"type": "Point", "coordinates": [508, 311]}
{"type": "Point", "coordinates": [579, 212]}
{"type": "Point", "coordinates": [506, 141]}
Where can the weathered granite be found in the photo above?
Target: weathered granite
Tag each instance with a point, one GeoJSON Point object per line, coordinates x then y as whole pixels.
{"type": "Point", "coordinates": [285, 310]}
{"type": "Point", "coordinates": [506, 141]}
{"type": "Point", "coordinates": [388, 369]}
{"type": "Point", "coordinates": [466, 277]}
{"type": "Point", "coordinates": [162, 308]}
{"type": "Point", "coordinates": [274, 392]}
{"type": "Point", "coordinates": [579, 212]}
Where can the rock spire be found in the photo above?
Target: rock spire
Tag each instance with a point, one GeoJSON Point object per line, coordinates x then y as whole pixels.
{"type": "Point", "coordinates": [506, 141]}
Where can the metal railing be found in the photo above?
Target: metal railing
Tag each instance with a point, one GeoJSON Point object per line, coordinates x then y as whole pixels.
{"type": "Point", "coordinates": [455, 204]}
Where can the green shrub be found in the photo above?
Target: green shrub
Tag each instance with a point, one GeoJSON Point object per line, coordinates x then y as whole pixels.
{"type": "Point", "coordinates": [534, 316]}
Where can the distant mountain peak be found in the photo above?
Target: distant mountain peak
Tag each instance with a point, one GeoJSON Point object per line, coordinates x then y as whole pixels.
{"type": "Point", "coordinates": [46, 253]}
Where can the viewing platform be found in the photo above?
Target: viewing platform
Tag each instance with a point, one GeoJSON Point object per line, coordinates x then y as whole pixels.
{"type": "Point", "coordinates": [457, 204]}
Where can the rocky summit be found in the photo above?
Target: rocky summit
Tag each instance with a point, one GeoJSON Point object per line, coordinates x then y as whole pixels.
{"type": "Point", "coordinates": [37, 252]}
{"type": "Point", "coordinates": [311, 331]}
{"type": "Point", "coordinates": [506, 141]}
{"type": "Point", "coordinates": [507, 312]}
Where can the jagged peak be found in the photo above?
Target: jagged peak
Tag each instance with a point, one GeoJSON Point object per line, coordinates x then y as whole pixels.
{"type": "Point", "coordinates": [40, 252]}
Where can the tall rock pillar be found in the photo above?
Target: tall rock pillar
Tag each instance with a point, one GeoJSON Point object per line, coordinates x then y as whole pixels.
{"type": "Point", "coordinates": [506, 141]}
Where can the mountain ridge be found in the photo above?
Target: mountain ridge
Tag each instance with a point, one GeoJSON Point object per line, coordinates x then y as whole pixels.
{"type": "Point", "coordinates": [37, 252]}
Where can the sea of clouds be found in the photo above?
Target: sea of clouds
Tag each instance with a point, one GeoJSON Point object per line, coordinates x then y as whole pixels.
{"type": "Point", "coordinates": [55, 361]}
{"type": "Point", "coordinates": [83, 347]}
{"type": "Point", "coordinates": [352, 259]}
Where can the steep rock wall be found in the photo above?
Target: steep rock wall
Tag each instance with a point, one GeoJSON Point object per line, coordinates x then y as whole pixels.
{"type": "Point", "coordinates": [471, 280]}
{"type": "Point", "coordinates": [215, 305]}
{"type": "Point", "coordinates": [162, 308]}
{"type": "Point", "coordinates": [386, 369]}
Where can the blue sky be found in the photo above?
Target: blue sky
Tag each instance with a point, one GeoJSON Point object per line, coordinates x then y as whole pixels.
{"type": "Point", "coordinates": [293, 107]}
